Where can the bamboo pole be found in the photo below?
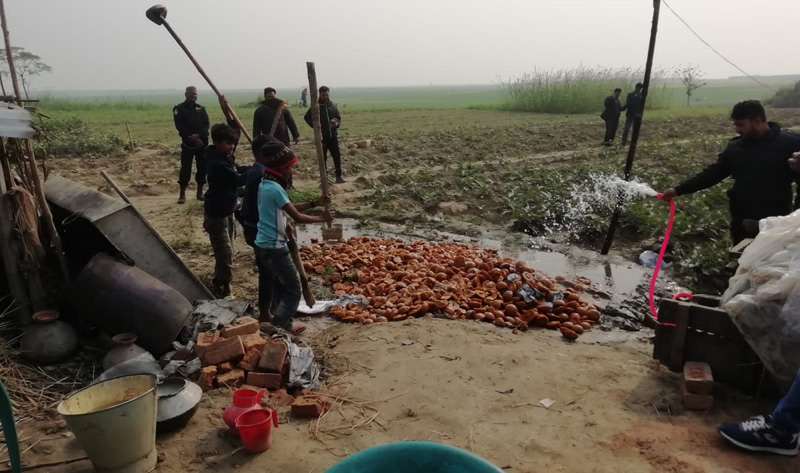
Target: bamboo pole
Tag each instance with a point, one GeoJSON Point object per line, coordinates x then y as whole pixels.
{"type": "Point", "coordinates": [315, 120]}
{"type": "Point", "coordinates": [47, 216]}
{"type": "Point", "coordinates": [637, 126]}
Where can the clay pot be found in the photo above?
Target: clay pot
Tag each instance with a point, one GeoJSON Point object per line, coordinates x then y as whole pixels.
{"type": "Point", "coordinates": [48, 340]}
{"type": "Point", "coordinates": [125, 348]}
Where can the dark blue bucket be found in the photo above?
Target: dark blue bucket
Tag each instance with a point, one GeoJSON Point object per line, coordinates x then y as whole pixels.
{"type": "Point", "coordinates": [413, 457]}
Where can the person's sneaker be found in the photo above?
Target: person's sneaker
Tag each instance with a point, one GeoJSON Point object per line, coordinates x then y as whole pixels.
{"type": "Point", "coordinates": [758, 435]}
{"type": "Point", "coordinates": [339, 180]}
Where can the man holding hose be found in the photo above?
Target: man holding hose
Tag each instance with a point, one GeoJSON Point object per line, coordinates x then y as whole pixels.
{"type": "Point", "coordinates": [763, 162]}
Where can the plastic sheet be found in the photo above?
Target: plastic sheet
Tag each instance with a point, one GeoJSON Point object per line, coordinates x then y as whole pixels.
{"type": "Point", "coordinates": [763, 298]}
{"type": "Point", "coordinates": [303, 370]}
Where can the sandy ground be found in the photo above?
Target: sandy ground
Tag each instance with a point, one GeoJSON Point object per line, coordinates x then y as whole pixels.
{"type": "Point", "coordinates": [462, 383]}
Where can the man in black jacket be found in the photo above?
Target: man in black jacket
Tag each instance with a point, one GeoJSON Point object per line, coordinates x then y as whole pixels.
{"type": "Point", "coordinates": [264, 117]}
{"type": "Point", "coordinates": [633, 105]}
{"type": "Point", "coordinates": [611, 115]}
{"type": "Point", "coordinates": [330, 120]}
{"type": "Point", "coordinates": [758, 160]}
{"type": "Point", "coordinates": [191, 121]}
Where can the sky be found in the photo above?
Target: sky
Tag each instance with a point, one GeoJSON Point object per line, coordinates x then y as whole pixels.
{"type": "Point", "coordinates": [249, 44]}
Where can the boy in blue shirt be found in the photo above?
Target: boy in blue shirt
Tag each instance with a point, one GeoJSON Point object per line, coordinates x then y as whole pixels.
{"type": "Point", "coordinates": [271, 239]}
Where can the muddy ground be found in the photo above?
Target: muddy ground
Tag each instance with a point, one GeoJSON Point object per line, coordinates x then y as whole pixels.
{"type": "Point", "coordinates": [462, 383]}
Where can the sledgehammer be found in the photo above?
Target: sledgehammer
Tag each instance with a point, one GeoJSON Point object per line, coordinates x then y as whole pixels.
{"type": "Point", "coordinates": [158, 15]}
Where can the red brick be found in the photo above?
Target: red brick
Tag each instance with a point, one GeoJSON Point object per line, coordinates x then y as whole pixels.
{"type": "Point", "coordinates": [250, 361]}
{"type": "Point", "coordinates": [280, 398]}
{"type": "Point", "coordinates": [204, 341]}
{"type": "Point", "coordinates": [265, 380]}
{"type": "Point", "coordinates": [697, 402]}
{"type": "Point", "coordinates": [241, 326]}
{"type": "Point", "coordinates": [232, 379]}
{"type": "Point", "coordinates": [307, 407]}
{"type": "Point", "coordinates": [207, 377]}
{"type": "Point", "coordinates": [253, 340]}
{"type": "Point", "coordinates": [698, 378]}
{"type": "Point", "coordinates": [273, 357]}
{"type": "Point", "coordinates": [181, 355]}
{"type": "Point", "coordinates": [226, 367]}
{"type": "Point", "coordinates": [303, 392]}
{"type": "Point", "coordinates": [230, 349]}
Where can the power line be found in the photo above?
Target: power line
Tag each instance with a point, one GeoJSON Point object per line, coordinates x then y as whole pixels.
{"type": "Point", "coordinates": [715, 51]}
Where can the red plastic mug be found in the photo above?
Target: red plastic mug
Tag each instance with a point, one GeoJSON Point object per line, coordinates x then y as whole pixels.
{"type": "Point", "coordinates": [255, 429]}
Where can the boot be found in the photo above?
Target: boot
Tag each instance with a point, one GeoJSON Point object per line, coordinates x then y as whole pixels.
{"type": "Point", "coordinates": [200, 193]}
{"type": "Point", "coordinates": [339, 179]}
{"type": "Point", "coordinates": [182, 195]}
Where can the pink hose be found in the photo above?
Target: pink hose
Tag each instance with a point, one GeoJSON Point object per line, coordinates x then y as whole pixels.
{"type": "Point", "coordinates": [661, 258]}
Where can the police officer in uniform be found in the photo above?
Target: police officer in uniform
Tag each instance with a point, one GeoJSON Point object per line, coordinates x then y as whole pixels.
{"type": "Point", "coordinates": [191, 121]}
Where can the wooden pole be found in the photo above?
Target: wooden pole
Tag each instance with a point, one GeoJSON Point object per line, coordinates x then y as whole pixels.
{"type": "Point", "coordinates": [130, 138]}
{"type": "Point", "coordinates": [47, 216]}
{"type": "Point", "coordinates": [315, 120]}
{"type": "Point", "coordinates": [9, 250]}
{"type": "Point", "coordinates": [637, 126]}
{"type": "Point", "coordinates": [222, 100]}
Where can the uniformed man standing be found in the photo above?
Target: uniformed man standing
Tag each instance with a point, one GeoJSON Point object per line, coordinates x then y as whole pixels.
{"type": "Point", "coordinates": [192, 123]}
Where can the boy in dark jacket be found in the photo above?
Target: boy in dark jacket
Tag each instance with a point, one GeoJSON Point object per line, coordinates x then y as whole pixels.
{"type": "Point", "coordinates": [221, 200]}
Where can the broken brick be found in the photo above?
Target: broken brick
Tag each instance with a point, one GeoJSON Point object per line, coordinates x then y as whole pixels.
{"type": "Point", "coordinates": [280, 398]}
{"type": "Point", "coordinates": [226, 367]}
{"type": "Point", "coordinates": [204, 341]}
{"type": "Point", "coordinates": [181, 355]}
{"type": "Point", "coordinates": [250, 361]}
{"type": "Point", "coordinates": [207, 377]}
{"type": "Point", "coordinates": [698, 378]}
{"type": "Point", "coordinates": [253, 340]}
{"type": "Point", "coordinates": [303, 392]}
{"type": "Point", "coordinates": [241, 326]}
{"type": "Point", "coordinates": [697, 402]}
{"type": "Point", "coordinates": [308, 407]}
{"type": "Point", "coordinates": [230, 349]}
{"type": "Point", "coordinates": [273, 357]}
{"type": "Point", "coordinates": [265, 380]}
{"type": "Point", "coordinates": [232, 379]}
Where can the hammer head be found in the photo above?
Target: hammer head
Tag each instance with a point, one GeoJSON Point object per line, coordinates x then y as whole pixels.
{"type": "Point", "coordinates": [157, 14]}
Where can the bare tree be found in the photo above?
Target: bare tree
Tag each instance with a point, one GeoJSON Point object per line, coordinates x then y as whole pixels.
{"type": "Point", "coordinates": [692, 79]}
{"type": "Point", "coordinates": [27, 65]}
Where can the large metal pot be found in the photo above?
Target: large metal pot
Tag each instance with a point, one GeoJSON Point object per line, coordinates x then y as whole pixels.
{"type": "Point", "coordinates": [117, 298]}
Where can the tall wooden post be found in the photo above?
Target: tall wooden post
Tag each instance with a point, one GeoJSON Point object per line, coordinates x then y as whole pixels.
{"type": "Point", "coordinates": [315, 120]}
{"type": "Point", "coordinates": [47, 216]}
{"type": "Point", "coordinates": [637, 126]}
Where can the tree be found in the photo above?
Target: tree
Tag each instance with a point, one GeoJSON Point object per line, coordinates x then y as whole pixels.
{"type": "Point", "coordinates": [692, 79]}
{"type": "Point", "coordinates": [27, 65]}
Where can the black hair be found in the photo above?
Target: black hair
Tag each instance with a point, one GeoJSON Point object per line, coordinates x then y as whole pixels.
{"type": "Point", "coordinates": [223, 132]}
{"type": "Point", "coordinates": [268, 90]}
{"type": "Point", "coordinates": [324, 88]}
{"type": "Point", "coordinates": [258, 142]}
{"type": "Point", "coordinates": [639, 85]}
{"type": "Point", "coordinates": [749, 109]}
{"type": "Point", "coordinates": [617, 90]}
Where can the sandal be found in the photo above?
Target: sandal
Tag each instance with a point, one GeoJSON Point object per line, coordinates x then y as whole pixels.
{"type": "Point", "coordinates": [298, 329]}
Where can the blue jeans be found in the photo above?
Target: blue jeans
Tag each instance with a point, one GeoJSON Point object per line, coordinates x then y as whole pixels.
{"type": "Point", "coordinates": [787, 415]}
{"type": "Point", "coordinates": [286, 291]}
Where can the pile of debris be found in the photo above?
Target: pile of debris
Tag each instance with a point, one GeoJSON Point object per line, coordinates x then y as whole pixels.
{"type": "Point", "coordinates": [411, 279]}
{"type": "Point", "coordinates": [240, 356]}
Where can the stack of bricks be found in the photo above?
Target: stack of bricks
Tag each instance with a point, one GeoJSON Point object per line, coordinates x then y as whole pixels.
{"type": "Point", "coordinates": [231, 356]}
{"type": "Point", "coordinates": [698, 386]}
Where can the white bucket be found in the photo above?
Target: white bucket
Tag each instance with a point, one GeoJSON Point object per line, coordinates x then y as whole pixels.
{"type": "Point", "coordinates": [115, 423]}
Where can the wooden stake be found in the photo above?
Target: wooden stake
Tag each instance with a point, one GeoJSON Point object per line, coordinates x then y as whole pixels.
{"type": "Point", "coordinates": [130, 138]}
{"type": "Point", "coordinates": [637, 126]}
{"type": "Point", "coordinates": [47, 216]}
{"type": "Point", "coordinates": [323, 173]}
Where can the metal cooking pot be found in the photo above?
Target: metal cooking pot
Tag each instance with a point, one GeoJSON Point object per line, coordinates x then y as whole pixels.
{"type": "Point", "coordinates": [178, 400]}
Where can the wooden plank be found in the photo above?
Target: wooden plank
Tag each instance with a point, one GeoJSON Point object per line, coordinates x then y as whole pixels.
{"type": "Point", "coordinates": [715, 321]}
{"type": "Point", "coordinates": [678, 351]}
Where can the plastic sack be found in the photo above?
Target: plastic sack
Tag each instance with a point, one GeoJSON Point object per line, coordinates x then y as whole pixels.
{"type": "Point", "coordinates": [303, 370]}
{"type": "Point", "coordinates": [763, 298]}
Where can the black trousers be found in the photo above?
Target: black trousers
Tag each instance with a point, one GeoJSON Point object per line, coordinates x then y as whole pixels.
{"type": "Point", "coordinates": [332, 144]}
{"type": "Point", "coordinates": [198, 155]}
{"type": "Point", "coordinates": [627, 129]}
{"type": "Point", "coordinates": [611, 129]}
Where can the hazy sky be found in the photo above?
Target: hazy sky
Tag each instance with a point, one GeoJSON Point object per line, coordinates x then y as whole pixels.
{"type": "Point", "coordinates": [109, 44]}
